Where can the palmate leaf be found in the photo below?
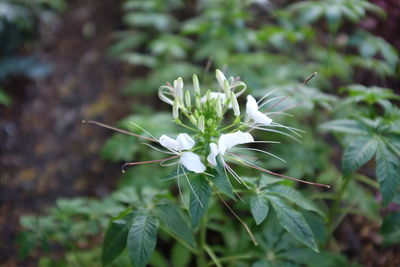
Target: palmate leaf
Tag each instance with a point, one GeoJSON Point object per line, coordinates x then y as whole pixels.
{"type": "Point", "coordinates": [387, 172]}
{"type": "Point", "coordinates": [259, 207]}
{"type": "Point", "coordinates": [115, 238]}
{"type": "Point", "coordinates": [345, 126]}
{"type": "Point", "coordinates": [293, 222]}
{"type": "Point", "coordinates": [199, 201]}
{"type": "Point", "coordinates": [296, 197]}
{"type": "Point", "coordinates": [359, 152]}
{"type": "Point", "coordinates": [171, 217]}
{"type": "Point", "coordinates": [142, 238]}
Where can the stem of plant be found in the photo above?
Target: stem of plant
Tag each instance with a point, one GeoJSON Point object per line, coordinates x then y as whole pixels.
{"type": "Point", "coordinates": [334, 210]}
{"type": "Point", "coordinates": [201, 258]}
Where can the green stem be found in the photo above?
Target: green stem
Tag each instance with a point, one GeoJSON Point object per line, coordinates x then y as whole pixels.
{"type": "Point", "coordinates": [212, 256]}
{"type": "Point", "coordinates": [201, 257]}
{"type": "Point", "coordinates": [334, 210]}
{"type": "Point", "coordinates": [232, 258]}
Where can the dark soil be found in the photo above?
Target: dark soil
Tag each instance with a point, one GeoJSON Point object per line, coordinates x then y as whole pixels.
{"type": "Point", "coordinates": [46, 152]}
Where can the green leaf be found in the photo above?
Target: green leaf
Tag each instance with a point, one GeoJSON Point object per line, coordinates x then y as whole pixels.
{"type": "Point", "coordinates": [171, 217]}
{"type": "Point", "coordinates": [115, 238]}
{"type": "Point", "coordinates": [359, 152]}
{"type": "Point", "coordinates": [296, 197]}
{"type": "Point", "coordinates": [142, 238]}
{"type": "Point", "coordinates": [391, 229]}
{"type": "Point", "coordinates": [293, 222]}
{"type": "Point", "coordinates": [259, 207]}
{"type": "Point", "coordinates": [344, 126]}
{"type": "Point", "coordinates": [199, 198]}
{"type": "Point", "coordinates": [388, 172]}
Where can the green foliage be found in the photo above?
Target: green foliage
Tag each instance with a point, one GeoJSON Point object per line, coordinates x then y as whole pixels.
{"type": "Point", "coordinates": [142, 238]}
{"type": "Point", "coordinates": [116, 237]}
{"type": "Point", "coordinates": [199, 199]}
{"type": "Point", "coordinates": [270, 49]}
{"type": "Point", "coordinates": [19, 23]}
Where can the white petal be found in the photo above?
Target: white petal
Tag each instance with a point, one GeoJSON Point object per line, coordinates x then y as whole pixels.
{"type": "Point", "coordinates": [211, 158]}
{"type": "Point", "coordinates": [226, 141]}
{"type": "Point", "coordinates": [185, 142]}
{"type": "Point", "coordinates": [254, 114]}
{"type": "Point", "coordinates": [192, 162]}
{"type": "Point", "coordinates": [251, 104]}
{"type": "Point", "coordinates": [169, 143]}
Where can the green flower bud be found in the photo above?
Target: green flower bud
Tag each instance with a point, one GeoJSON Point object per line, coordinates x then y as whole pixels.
{"type": "Point", "coordinates": [218, 107]}
{"type": "Point", "coordinates": [193, 120]}
{"type": "Point", "coordinates": [235, 105]}
{"type": "Point", "coordinates": [187, 99]}
{"type": "Point", "coordinates": [208, 95]}
{"type": "Point", "coordinates": [198, 102]}
{"type": "Point", "coordinates": [196, 85]}
{"type": "Point", "coordinates": [227, 89]}
{"type": "Point", "coordinates": [200, 124]}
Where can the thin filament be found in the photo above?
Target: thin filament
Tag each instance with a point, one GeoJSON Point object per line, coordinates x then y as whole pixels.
{"type": "Point", "coordinates": [145, 162]}
{"type": "Point", "coordinates": [119, 130]}
{"type": "Point", "coordinates": [280, 175]}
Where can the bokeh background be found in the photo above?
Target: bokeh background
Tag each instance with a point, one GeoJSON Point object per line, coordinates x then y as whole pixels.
{"type": "Point", "coordinates": [63, 61]}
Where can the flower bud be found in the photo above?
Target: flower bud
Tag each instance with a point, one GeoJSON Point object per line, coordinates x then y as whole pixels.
{"type": "Point", "coordinates": [193, 120]}
{"type": "Point", "coordinates": [235, 104]}
{"type": "Point", "coordinates": [220, 77]}
{"type": "Point", "coordinates": [187, 99]}
{"type": "Point", "coordinates": [227, 89]}
{"type": "Point", "coordinates": [196, 86]}
{"type": "Point", "coordinates": [218, 107]}
{"type": "Point", "coordinates": [175, 109]}
{"type": "Point", "coordinates": [178, 86]}
{"type": "Point", "coordinates": [198, 102]}
{"type": "Point", "coordinates": [200, 124]}
{"type": "Point", "coordinates": [208, 95]}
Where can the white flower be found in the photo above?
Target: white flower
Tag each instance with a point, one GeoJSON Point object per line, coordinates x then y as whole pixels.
{"type": "Point", "coordinates": [189, 160]}
{"type": "Point", "coordinates": [254, 114]}
{"type": "Point", "coordinates": [226, 142]}
{"type": "Point", "coordinates": [169, 93]}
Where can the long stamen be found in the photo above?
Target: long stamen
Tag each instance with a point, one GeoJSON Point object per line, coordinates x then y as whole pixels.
{"type": "Point", "coordinates": [298, 88]}
{"type": "Point", "coordinates": [262, 151]}
{"type": "Point", "coordinates": [141, 128]}
{"type": "Point", "coordinates": [246, 156]}
{"type": "Point", "coordinates": [246, 227]}
{"type": "Point", "coordinates": [191, 187]}
{"type": "Point", "coordinates": [280, 175]}
{"type": "Point", "coordinates": [144, 162]}
{"type": "Point", "coordinates": [119, 130]}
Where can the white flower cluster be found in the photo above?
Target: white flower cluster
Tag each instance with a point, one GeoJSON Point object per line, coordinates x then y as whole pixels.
{"type": "Point", "coordinates": [212, 140]}
{"type": "Point", "coordinates": [207, 115]}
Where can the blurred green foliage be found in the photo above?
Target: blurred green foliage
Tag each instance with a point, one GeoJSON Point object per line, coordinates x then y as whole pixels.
{"type": "Point", "coordinates": [272, 45]}
{"type": "Point", "coordinates": [19, 24]}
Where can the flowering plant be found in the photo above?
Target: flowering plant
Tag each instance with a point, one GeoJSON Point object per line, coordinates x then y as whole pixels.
{"type": "Point", "coordinates": [215, 130]}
